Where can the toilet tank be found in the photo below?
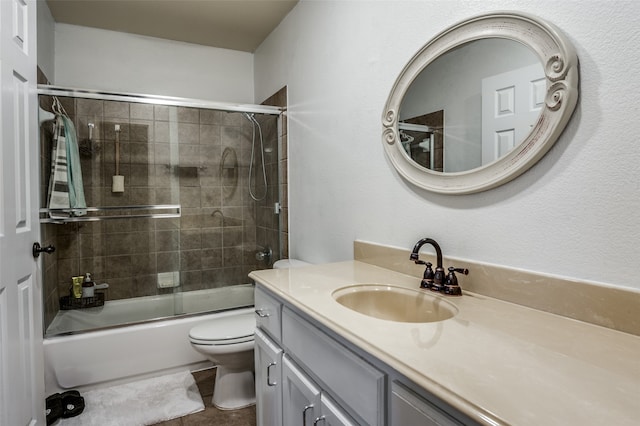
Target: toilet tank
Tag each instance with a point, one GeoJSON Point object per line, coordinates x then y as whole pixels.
{"type": "Point", "coordinates": [289, 263]}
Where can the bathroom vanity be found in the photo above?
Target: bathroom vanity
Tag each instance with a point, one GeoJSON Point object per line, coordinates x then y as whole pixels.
{"type": "Point", "coordinates": [495, 363]}
{"type": "Point", "coordinates": [302, 370]}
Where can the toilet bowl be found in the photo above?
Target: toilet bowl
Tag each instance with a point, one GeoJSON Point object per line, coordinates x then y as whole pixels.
{"type": "Point", "coordinates": [228, 342]}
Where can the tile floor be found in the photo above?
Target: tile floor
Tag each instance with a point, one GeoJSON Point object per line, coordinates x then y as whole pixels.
{"type": "Point", "coordinates": [211, 415]}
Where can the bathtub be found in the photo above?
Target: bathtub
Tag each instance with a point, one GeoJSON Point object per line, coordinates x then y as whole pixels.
{"type": "Point", "coordinates": [117, 354]}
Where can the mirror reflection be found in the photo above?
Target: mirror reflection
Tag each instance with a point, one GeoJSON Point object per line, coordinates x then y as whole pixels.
{"type": "Point", "coordinates": [472, 105]}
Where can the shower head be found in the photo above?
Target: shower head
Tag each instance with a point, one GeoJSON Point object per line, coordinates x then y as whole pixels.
{"type": "Point", "coordinates": [249, 117]}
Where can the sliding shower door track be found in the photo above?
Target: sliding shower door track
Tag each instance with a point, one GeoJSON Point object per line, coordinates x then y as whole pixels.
{"type": "Point", "coordinates": [44, 89]}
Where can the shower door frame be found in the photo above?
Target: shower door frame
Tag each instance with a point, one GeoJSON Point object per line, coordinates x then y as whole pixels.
{"type": "Point", "coordinates": [44, 89]}
{"type": "Point", "coordinates": [170, 102]}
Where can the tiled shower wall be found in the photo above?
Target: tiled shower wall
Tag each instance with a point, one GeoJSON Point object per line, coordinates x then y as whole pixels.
{"type": "Point", "coordinates": [198, 158]}
{"type": "Point", "coordinates": [279, 99]}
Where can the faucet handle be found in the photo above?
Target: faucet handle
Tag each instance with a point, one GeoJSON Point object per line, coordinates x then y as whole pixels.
{"type": "Point", "coordinates": [427, 277]}
{"type": "Point", "coordinates": [451, 286]}
{"type": "Point", "coordinates": [464, 271]}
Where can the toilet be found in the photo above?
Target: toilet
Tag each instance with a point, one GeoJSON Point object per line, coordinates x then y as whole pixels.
{"type": "Point", "coordinates": [228, 342]}
{"type": "Point", "coordinates": [289, 264]}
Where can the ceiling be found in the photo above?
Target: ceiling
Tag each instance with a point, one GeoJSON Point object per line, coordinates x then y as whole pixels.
{"type": "Point", "coordinates": [229, 24]}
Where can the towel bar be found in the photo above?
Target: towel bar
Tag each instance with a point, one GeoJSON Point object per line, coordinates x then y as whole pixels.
{"type": "Point", "coordinates": [126, 213]}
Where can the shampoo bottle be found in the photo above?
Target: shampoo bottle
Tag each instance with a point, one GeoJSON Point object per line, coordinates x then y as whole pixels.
{"type": "Point", "coordinates": [88, 286]}
{"type": "Point", "coordinates": [76, 288]}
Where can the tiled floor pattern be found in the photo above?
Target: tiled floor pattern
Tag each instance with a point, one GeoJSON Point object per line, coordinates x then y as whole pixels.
{"type": "Point", "coordinates": [211, 416]}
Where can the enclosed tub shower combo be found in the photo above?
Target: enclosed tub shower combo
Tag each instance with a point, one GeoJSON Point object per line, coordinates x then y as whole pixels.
{"type": "Point", "coordinates": [167, 204]}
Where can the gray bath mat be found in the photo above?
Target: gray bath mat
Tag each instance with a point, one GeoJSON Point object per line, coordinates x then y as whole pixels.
{"type": "Point", "coordinates": [140, 403]}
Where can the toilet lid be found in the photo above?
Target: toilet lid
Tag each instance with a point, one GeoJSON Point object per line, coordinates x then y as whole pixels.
{"type": "Point", "coordinates": [225, 330]}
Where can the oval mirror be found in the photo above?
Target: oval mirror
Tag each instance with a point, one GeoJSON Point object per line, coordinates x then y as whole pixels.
{"type": "Point", "coordinates": [480, 103]}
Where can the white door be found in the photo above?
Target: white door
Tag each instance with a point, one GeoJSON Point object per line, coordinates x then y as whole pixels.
{"type": "Point", "coordinates": [511, 105]}
{"type": "Point", "coordinates": [21, 363]}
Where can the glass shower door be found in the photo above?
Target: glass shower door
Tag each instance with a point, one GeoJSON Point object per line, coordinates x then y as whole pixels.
{"type": "Point", "coordinates": [188, 229]}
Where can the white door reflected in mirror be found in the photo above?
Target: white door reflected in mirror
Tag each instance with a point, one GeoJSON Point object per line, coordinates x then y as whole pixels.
{"type": "Point", "coordinates": [511, 104]}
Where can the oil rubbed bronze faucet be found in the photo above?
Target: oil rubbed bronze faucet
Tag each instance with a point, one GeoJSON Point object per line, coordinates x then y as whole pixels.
{"type": "Point", "coordinates": [436, 280]}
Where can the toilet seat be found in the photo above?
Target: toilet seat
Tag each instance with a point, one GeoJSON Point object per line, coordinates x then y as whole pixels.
{"type": "Point", "coordinates": [228, 330]}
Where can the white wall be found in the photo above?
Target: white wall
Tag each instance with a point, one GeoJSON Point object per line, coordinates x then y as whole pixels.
{"type": "Point", "coordinates": [575, 214]}
{"type": "Point", "coordinates": [91, 58]}
{"type": "Point", "coordinates": [46, 40]}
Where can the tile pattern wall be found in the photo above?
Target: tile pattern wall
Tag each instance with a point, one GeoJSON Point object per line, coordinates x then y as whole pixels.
{"type": "Point", "coordinates": [279, 99]}
{"type": "Point", "coordinates": [169, 155]}
{"type": "Point", "coordinates": [267, 220]}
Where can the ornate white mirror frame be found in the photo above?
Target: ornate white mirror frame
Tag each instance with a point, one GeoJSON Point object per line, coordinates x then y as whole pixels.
{"type": "Point", "coordinates": [560, 63]}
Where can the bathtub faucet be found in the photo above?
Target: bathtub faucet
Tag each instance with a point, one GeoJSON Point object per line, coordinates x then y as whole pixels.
{"type": "Point", "coordinates": [436, 280]}
{"type": "Point", "coordinates": [264, 255]}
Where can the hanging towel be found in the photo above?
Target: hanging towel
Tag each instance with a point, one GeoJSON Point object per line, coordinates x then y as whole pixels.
{"type": "Point", "coordinates": [66, 189]}
{"type": "Point", "coordinates": [74, 171]}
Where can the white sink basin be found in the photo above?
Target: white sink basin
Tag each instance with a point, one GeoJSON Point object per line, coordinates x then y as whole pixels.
{"type": "Point", "coordinates": [394, 303]}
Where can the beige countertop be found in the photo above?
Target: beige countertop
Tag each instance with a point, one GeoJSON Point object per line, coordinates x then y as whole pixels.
{"type": "Point", "coordinates": [498, 362]}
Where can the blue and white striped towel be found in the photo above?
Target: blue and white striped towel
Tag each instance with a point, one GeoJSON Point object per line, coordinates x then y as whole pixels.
{"type": "Point", "coordinates": [66, 190]}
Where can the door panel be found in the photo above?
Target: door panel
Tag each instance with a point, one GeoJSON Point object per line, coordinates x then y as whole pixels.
{"type": "Point", "coordinates": [333, 415]}
{"type": "Point", "coordinates": [4, 354]}
{"type": "Point", "coordinates": [268, 360]}
{"type": "Point", "coordinates": [21, 364]}
{"type": "Point", "coordinates": [28, 340]}
{"type": "Point", "coordinates": [300, 396]}
{"type": "Point", "coordinates": [21, 163]}
{"type": "Point", "coordinates": [511, 105]}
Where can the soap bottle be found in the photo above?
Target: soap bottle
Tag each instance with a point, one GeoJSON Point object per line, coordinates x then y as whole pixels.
{"type": "Point", "coordinates": [88, 286]}
{"type": "Point", "coordinates": [76, 287]}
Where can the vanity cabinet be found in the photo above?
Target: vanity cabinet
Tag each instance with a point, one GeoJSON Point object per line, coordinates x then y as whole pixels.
{"type": "Point", "coordinates": [304, 403]}
{"type": "Point", "coordinates": [268, 361]}
{"type": "Point", "coordinates": [407, 408]}
{"type": "Point", "coordinates": [285, 394]}
{"type": "Point", "coordinates": [268, 310]}
{"type": "Point", "coordinates": [359, 386]}
{"type": "Point", "coordinates": [307, 375]}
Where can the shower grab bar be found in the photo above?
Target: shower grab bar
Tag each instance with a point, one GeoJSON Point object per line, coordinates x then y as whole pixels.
{"type": "Point", "coordinates": [176, 214]}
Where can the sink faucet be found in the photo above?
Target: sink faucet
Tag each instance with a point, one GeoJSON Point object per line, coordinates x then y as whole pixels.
{"type": "Point", "coordinates": [436, 280]}
{"type": "Point", "coordinates": [432, 280]}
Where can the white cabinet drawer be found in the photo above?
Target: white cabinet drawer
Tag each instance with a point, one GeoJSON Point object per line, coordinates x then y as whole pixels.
{"type": "Point", "coordinates": [347, 377]}
{"type": "Point", "coordinates": [268, 314]}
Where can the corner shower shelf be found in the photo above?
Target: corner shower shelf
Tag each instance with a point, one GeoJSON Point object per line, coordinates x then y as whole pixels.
{"type": "Point", "coordinates": [68, 302]}
{"type": "Point", "coordinates": [95, 214]}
